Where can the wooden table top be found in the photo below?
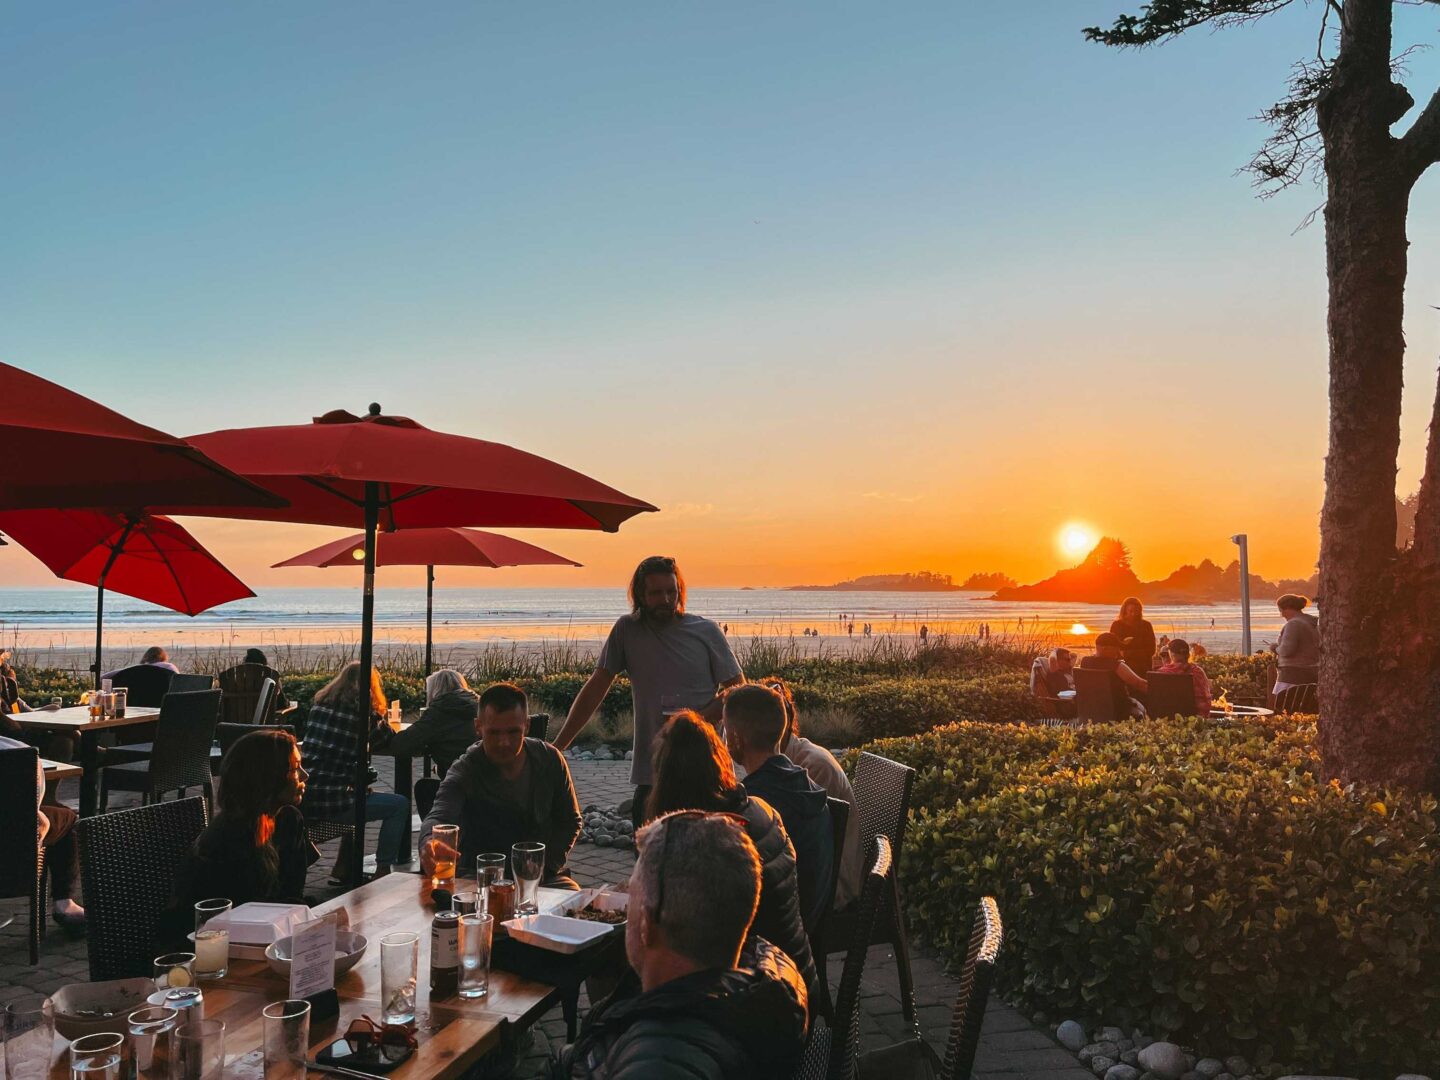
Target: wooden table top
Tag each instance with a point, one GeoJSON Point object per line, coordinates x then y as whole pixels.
{"type": "Point", "coordinates": [450, 1041]}
{"type": "Point", "coordinates": [395, 904]}
{"type": "Point", "coordinates": [59, 770]}
{"type": "Point", "coordinates": [77, 717]}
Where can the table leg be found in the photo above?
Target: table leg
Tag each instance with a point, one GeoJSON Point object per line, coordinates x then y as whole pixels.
{"type": "Point", "coordinates": [405, 785]}
{"type": "Point", "coordinates": [90, 778]}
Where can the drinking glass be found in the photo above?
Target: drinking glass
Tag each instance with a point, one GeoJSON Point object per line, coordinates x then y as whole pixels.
{"type": "Point", "coordinates": [528, 862]}
{"type": "Point", "coordinates": [199, 1050]}
{"type": "Point", "coordinates": [444, 875]}
{"type": "Point", "coordinates": [287, 1039]}
{"type": "Point", "coordinates": [212, 943]}
{"type": "Point", "coordinates": [399, 965]}
{"type": "Point", "coordinates": [29, 1037]}
{"type": "Point", "coordinates": [466, 903]}
{"type": "Point", "coordinates": [174, 969]}
{"type": "Point", "coordinates": [489, 868]}
{"type": "Point", "coordinates": [96, 1057]}
{"type": "Point", "coordinates": [476, 933]}
{"type": "Point", "coordinates": [150, 1049]}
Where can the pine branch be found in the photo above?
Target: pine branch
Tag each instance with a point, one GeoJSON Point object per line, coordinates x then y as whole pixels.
{"type": "Point", "coordinates": [1163, 19]}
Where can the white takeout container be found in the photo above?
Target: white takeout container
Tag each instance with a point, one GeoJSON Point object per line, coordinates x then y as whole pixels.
{"type": "Point", "coordinates": [349, 948]}
{"type": "Point", "coordinates": [259, 923]}
{"type": "Point", "coordinates": [556, 933]}
{"type": "Point", "coordinates": [118, 997]}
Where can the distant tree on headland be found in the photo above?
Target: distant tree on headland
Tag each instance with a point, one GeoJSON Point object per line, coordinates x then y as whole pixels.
{"type": "Point", "coordinates": [1379, 684]}
{"type": "Point", "coordinates": [988, 582]}
{"type": "Point", "coordinates": [919, 581]}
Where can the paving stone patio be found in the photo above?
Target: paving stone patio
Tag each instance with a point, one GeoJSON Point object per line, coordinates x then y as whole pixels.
{"type": "Point", "coordinates": [1011, 1048]}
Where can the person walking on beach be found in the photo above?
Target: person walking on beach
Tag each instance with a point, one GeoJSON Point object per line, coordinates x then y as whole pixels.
{"type": "Point", "coordinates": [675, 660]}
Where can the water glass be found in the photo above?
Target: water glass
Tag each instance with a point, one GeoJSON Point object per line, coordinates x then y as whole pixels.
{"type": "Point", "coordinates": [96, 1057]}
{"type": "Point", "coordinates": [150, 1048]}
{"type": "Point", "coordinates": [287, 1039]}
{"type": "Point", "coordinates": [199, 1050]}
{"type": "Point", "coordinates": [399, 966]}
{"type": "Point", "coordinates": [29, 1037]}
{"type": "Point", "coordinates": [444, 874]}
{"type": "Point", "coordinates": [466, 903]}
{"type": "Point", "coordinates": [476, 933]}
{"type": "Point", "coordinates": [528, 862]}
{"type": "Point", "coordinates": [174, 969]}
{"type": "Point", "coordinates": [489, 868]}
{"type": "Point", "coordinates": [212, 943]}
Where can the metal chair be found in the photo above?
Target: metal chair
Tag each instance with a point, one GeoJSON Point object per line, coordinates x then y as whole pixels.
{"type": "Point", "coordinates": [146, 683]}
{"type": "Point", "coordinates": [1170, 694]}
{"type": "Point", "coordinates": [832, 1048]}
{"type": "Point", "coordinates": [839, 819]}
{"type": "Point", "coordinates": [128, 862]}
{"type": "Point", "coordinates": [180, 760]}
{"type": "Point", "coordinates": [1094, 696]}
{"type": "Point", "coordinates": [189, 684]}
{"type": "Point", "coordinates": [22, 856]}
{"type": "Point", "coordinates": [913, 1059]}
{"type": "Point", "coordinates": [882, 799]}
{"type": "Point", "coordinates": [265, 702]}
{"type": "Point", "coordinates": [1304, 698]}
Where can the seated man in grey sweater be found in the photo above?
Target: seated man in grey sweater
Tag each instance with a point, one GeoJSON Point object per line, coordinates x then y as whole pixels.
{"type": "Point", "coordinates": [505, 790]}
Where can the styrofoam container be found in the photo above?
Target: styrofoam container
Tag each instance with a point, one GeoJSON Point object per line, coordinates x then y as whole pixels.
{"type": "Point", "coordinates": [261, 924]}
{"type": "Point", "coordinates": [556, 932]}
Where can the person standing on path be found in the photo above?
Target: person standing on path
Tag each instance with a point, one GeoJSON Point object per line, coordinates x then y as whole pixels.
{"type": "Point", "coordinates": [675, 661]}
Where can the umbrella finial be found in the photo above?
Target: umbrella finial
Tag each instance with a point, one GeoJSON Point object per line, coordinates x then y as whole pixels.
{"type": "Point", "coordinates": [374, 408]}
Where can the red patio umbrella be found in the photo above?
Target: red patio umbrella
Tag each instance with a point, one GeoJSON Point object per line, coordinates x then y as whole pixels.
{"type": "Point", "coordinates": [144, 555]}
{"type": "Point", "coordinates": [431, 548]}
{"type": "Point", "coordinates": [343, 469]}
{"type": "Point", "coordinates": [68, 451]}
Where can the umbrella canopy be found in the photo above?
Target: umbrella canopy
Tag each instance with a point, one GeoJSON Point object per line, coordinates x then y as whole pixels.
{"type": "Point", "coordinates": [69, 451]}
{"type": "Point", "coordinates": [343, 469]}
{"type": "Point", "coordinates": [431, 548]}
{"type": "Point", "coordinates": [145, 556]}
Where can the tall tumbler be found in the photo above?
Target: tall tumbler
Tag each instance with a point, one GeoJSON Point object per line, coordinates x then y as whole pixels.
{"type": "Point", "coordinates": [444, 875]}
{"type": "Point", "coordinates": [150, 1047]}
{"type": "Point", "coordinates": [399, 968]}
{"type": "Point", "coordinates": [476, 932]}
{"type": "Point", "coordinates": [212, 939]}
{"type": "Point", "coordinates": [527, 860]}
{"type": "Point", "coordinates": [199, 1050]}
{"type": "Point", "coordinates": [29, 1037]}
{"type": "Point", "coordinates": [287, 1039]}
{"type": "Point", "coordinates": [489, 868]}
{"type": "Point", "coordinates": [97, 1057]}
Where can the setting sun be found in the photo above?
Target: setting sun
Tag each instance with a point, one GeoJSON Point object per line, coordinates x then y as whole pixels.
{"type": "Point", "coordinates": [1076, 540]}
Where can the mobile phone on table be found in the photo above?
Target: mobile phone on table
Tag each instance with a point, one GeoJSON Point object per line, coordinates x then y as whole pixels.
{"type": "Point", "coordinates": [363, 1057]}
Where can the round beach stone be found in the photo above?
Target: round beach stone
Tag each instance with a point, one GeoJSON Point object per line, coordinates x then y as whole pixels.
{"type": "Point", "coordinates": [1130, 1057]}
{"type": "Point", "coordinates": [1109, 1034]}
{"type": "Point", "coordinates": [1125, 1044]}
{"type": "Point", "coordinates": [1209, 1067]}
{"type": "Point", "coordinates": [1164, 1059]}
{"type": "Point", "coordinates": [1191, 1074]}
{"type": "Point", "coordinates": [629, 755]}
{"type": "Point", "coordinates": [1100, 1049]}
{"type": "Point", "coordinates": [1236, 1065]}
{"type": "Point", "coordinates": [1070, 1035]}
{"type": "Point", "coordinates": [1411, 1076]}
{"type": "Point", "coordinates": [1100, 1064]}
{"type": "Point", "coordinates": [1122, 1072]}
{"type": "Point", "coordinates": [624, 842]}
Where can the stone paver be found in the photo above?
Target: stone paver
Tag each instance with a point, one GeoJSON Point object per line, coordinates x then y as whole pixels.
{"type": "Point", "coordinates": [1011, 1048]}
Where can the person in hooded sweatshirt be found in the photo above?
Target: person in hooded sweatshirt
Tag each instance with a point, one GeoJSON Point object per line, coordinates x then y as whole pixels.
{"type": "Point", "coordinates": [705, 999]}
{"type": "Point", "coordinates": [755, 723]}
{"type": "Point", "coordinates": [446, 729]}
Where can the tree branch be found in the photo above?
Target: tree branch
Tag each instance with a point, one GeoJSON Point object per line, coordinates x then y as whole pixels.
{"type": "Point", "coordinates": [1420, 146]}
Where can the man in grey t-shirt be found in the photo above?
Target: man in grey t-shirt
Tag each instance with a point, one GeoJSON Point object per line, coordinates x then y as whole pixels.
{"type": "Point", "coordinates": [675, 661]}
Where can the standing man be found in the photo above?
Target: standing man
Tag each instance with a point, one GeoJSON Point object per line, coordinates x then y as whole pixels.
{"type": "Point", "coordinates": [675, 661]}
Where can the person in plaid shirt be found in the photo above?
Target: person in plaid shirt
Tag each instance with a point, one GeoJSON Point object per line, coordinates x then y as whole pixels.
{"type": "Point", "coordinates": [332, 755]}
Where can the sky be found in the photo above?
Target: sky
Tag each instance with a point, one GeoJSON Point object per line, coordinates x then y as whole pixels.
{"type": "Point", "coordinates": [843, 288]}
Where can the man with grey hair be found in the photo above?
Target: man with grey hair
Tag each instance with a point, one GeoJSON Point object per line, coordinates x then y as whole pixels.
{"type": "Point", "coordinates": [701, 1001]}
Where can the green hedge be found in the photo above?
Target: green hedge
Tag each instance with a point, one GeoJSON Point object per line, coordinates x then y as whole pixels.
{"type": "Point", "coordinates": [906, 706]}
{"type": "Point", "coordinates": [1194, 878]}
{"type": "Point", "coordinates": [1239, 675]}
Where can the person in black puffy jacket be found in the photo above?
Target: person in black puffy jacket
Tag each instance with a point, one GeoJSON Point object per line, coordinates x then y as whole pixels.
{"type": "Point", "coordinates": [705, 1000]}
{"type": "Point", "coordinates": [693, 771]}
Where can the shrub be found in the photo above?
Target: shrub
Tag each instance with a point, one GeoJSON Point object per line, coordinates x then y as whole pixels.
{"type": "Point", "coordinates": [1243, 676]}
{"type": "Point", "coordinates": [38, 685]}
{"type": "Point", "coordinates": [906, 706]}
{"type": "Point", "coordinates": [1196, 878]}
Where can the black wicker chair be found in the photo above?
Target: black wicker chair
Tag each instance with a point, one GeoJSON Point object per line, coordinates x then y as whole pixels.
{"type": "Point", "coordinates": [1303, 698]}
{"type": "Point", "coordinates": [1170, 694]}
{"type": "Point", "coordinates": [189, 684]}
{"type": "Point", "coordinates": [882, 799]}
{"type": "Point", "coordinates": [914, 1060]}
{"type": "Point", "coordinates": [128, 862]}
{"type": "Point", "coordinates": [833, 1048]}
{"type": "Point", "coordinates": [180, 757]}
{"type": "Point", "coordinates": [1094, 701]}
{"type": "Point", "coordinates": [539, 727]}
{"type": "Point", "coordinates": [839, 819]}
{"type": "Point", "coordinates": [22, 856]}
{"type": "Point", "coordinates": [146, 684]}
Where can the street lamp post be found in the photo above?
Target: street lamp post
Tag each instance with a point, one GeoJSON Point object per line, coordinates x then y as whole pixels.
{"type": "Point", "coordinates": [1243, 541]}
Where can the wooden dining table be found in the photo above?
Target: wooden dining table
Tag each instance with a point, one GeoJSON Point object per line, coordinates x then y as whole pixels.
{"type": "Point", "coordinates": [77, 720]}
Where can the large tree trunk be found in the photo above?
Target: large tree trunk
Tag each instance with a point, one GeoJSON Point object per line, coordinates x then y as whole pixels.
{"type": "Point", "coordinates": [1379, 701]}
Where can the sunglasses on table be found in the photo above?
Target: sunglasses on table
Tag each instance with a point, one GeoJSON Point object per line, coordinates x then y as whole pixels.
{"type": "Point", "coordinates": [370, 1047]}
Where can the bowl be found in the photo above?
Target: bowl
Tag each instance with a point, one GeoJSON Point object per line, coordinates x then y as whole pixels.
{"type": "Point", "coordinates": [349, 948]}
{"type": "Point", "coordinates": [92, 1008]}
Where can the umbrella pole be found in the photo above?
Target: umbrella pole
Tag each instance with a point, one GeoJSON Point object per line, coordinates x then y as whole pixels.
{"type": "Point", "coordinates": [367, 660]}
{"type": "Point", "coordinates": [429, 615]}
{"type": "Point", "coordinates": [115, 550]}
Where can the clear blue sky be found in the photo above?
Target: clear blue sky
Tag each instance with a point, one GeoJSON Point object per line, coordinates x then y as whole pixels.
{"type": "Point", "coordinates": [833, 283]}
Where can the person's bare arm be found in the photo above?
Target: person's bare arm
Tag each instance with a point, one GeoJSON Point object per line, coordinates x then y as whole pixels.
{"type": "Point", "coordinates": [1129, 677]}
{"type": "Point", "coordinates": [716, 707]}
{"type": "Point", "coordinates": [584, 706]}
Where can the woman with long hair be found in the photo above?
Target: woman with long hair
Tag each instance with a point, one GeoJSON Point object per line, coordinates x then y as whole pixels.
{"type": "Point", "coordinates": [693, 771]}
{"type": "Point", "coordinates": [1137, 636]}
{"type": "Point", "coordinates": [343, 707]}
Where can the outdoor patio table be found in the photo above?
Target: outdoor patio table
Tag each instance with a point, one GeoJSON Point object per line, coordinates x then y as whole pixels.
{"type": "Point", "coordinates": [451, 1039]}
{"type": "Point", "coordinates": [77, 720]}
{"type": "Point", "coordinates": [58, 770]}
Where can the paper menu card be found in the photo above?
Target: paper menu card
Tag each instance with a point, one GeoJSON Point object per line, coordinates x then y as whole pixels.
{"type": "Point", "coordinates": [312, 958]}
